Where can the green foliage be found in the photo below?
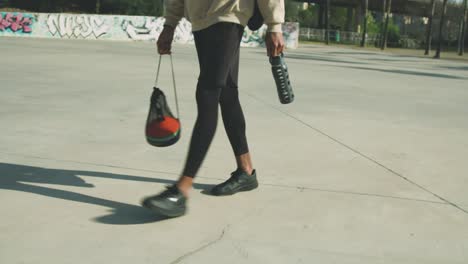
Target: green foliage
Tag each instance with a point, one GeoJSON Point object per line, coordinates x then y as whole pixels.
{"type": "Point", "coordinates": [292, 10]}
{"type": "Point", "coordinates": [307, 18]}
{"type": "Point", "coordinates": [393, 37]}
{"type": "Point", "coordinates": [133, 7]}
{"type": "Point", "coordinates": [373, 27]}
{"type": "Point", "coordinates": [338, 18]}
{"type": "Point", "coordinates": [124, 7]}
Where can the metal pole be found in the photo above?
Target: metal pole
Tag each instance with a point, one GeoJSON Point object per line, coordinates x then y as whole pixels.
{"type": "Point", "coordinates": [461, 41]}
{"type": "Point", "coordinates": [349, 19]}
{"type": "Point", "coordinates": [387, 18]}
{"type": "Point", "coordinates": [98, 6]}
{"type": "Point", "coordinates": [382, 26]}
{"type": "Point", "coordinates": [364, 29]}
{"type": "Point", "coordinates": [442, 22]}
{"type": "Point", "coordinates": [429, 29]}
{"type": "Point", "coordinates": [327, 22]}
{"type": "Point", "coordinates": [320, 16]}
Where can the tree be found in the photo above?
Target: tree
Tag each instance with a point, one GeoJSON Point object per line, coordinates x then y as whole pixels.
{"type": "Point", "coordinates": [429, 29]}
{"type": "Point", "coordinates": [364, 30]}
{"type": "Point", "coordinates": [461, 38]}
{"type": "Point", "coordinates": [441, 26]}
{"type": "Point", "coordinates": [292, 11]}
{"type": "Point", "coordinates": [372, 26]}
{"type": "Point", "coordinates": [306, 18]}
{"type": "Point", "coordinates": [98, 6]}
{"type": "Point", "coordinates": [327, 22]}
{"type": "Point", "coordinates": [338, 17]}
{"type": "Point", "coordinates": [387, 18]}
{"type": "Point", "coordinates": [129, 7]}
{"type": "Point", "coordinates": [393, 34]}
{"type": "Point", "coordinates": [382, 25]}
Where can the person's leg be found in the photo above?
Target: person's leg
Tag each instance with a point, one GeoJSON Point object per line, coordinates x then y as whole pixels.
{"type": "Point", "coordinates": [245, 177]}
{"type": "Point", "coordinates": [233, 116]}
{"type": "Point", "coordinates": [216, 48]}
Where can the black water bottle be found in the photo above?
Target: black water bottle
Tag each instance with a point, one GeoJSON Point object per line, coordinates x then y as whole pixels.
{"type": "Point", "coordinates": [281, 76]}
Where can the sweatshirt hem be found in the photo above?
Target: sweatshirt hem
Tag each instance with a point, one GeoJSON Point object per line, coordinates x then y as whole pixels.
{"type": "Point", "coordinates": [203, 24]}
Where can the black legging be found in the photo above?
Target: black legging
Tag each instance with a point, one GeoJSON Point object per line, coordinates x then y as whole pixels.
{"type": "Point", "coordinates": [218, 55]}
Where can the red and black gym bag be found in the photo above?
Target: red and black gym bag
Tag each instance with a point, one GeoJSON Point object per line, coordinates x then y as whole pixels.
{"type": "Point", "coordinates": [162, 127]}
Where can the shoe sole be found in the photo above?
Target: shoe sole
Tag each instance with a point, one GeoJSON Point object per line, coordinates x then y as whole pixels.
{"type": "Point", "coordinates": [164, 212]}
{"type": "Point", "coordinates": [243, 189]}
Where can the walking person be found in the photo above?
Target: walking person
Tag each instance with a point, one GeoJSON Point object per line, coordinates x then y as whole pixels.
{"type": "Point", "coordinates": [218, 26]}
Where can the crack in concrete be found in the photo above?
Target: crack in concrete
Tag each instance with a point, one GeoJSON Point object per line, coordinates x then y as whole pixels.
{"type": "Point", "coordinates": [225, 229]}
{"type": "Point", "coordinates": [209, 244]}
{"type": "Point", "coordinates": [300, 188]}
{"type": "Point", "coordinates": [358, 153]}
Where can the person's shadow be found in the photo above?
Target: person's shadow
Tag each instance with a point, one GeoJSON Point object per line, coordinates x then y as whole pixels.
{"type": "Point", "coordinates": [13, 177]}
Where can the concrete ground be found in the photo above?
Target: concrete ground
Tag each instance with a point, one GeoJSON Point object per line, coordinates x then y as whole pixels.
{"type": "Point", "coordinates": [368, 165]}
{"type": "Point", "coordinates": [451, 54]}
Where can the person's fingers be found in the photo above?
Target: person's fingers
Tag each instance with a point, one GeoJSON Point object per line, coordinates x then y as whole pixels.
{"type": "Point", "coordinates": [275, 44]}
{"type": "Point", "coordinates": [159, 49]}
{"type": "Point", "coordinates": [160, 46]}
{"type": "Point", "coordinates": [276, 53]}
{"type": "Point", "coordinates": [273, 49]}
{"type": "Point", "coordinates": [164, 42]}
{"type": "Point", "coordinates": [164, 51]}
{"type": "Point", "coordinates": [280, 48]}
{"type": "Point", "coordinates": [164, 47]}
{"type": "Point", "coordinates": [272, 52]}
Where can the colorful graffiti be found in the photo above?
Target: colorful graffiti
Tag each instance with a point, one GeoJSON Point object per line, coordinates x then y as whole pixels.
{"type": "Point", "coordinates": [254, 38]}
{"type": "Point", "coordinates": [291, 34]}
{"type": "Point", "coordinates": [111, 27]}
{"type": "Point", "coordinates": [149, 28]}
{"type": "Point", "coordinates": [257, 38]}
{"type": "Point", "coordinates": [77, 26]}
{"type": "Point", "coordinates": [16, 22]}
{"type": "Point", "coordinates": [183, 32]}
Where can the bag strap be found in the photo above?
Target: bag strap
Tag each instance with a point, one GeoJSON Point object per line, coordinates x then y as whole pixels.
{"type": "Point", "coordinates": [173, 82]}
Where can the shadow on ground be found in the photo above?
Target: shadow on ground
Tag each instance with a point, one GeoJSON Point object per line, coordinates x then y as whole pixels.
{"type": "Point", "coordinates": [299, 56]}
{"type": "Point", "coordinates": [460, 68]}
{"type": "Point", "coordinates": [408, 72]}
{"type": "Point", "coordinates": [16, 177]}
{"type": "Point", "coordinates": [353, 53]}
{"type": "Point", "coordinates": [353, 65]}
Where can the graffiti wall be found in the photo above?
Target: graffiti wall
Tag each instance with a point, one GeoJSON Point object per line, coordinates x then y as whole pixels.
{"type": "Point", "coordinates": [107, 27]}
{"type": "Point", "coordinates": [77, 26]}
{"type": "Point", "coordinates": [16, 23]}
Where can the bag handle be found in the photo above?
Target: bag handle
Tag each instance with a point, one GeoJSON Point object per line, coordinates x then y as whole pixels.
{"type": "Point", "coordinates": [173, 82]}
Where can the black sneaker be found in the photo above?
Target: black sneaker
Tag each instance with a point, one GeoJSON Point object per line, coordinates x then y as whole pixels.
{"type": "Point", "coordinates": [240, 181]}
{"type": "Point", "coordinates": [170, 203]}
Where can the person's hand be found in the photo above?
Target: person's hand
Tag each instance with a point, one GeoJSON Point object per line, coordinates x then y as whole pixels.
{"type": "Point", "coordinates": [165, 40]}
{"type": "Point", "coordinates": [274, 43]}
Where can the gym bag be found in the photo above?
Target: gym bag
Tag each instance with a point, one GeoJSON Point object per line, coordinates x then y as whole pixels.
{"type": "Point", "coordinates": [256, 21]}
{"type": "Point", "coordinates": [162, 127]}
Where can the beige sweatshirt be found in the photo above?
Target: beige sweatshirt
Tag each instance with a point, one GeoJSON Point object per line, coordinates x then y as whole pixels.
{"type": "Point", "coordinates": [204, 13]}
